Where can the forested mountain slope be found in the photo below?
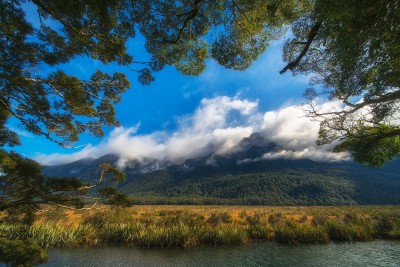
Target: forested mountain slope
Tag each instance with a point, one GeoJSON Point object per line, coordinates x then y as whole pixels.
{"type": "Point", "coordinates": [243, 177]}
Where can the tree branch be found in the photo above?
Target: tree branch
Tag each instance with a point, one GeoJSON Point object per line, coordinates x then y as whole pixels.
{"type": "Point", "coordinates": [192, 15]}
{"type": "Point", "coordinates": [310, 39]}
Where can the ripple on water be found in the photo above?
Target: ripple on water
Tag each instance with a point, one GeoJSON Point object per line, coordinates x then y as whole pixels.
{"type": "Point", "coordinates": [376, 253]}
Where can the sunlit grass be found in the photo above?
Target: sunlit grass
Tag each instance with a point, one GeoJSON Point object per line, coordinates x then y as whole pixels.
{"type": "Point", "coordinates": [188, 226]}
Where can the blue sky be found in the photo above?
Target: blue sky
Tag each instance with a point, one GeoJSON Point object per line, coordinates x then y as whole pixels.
{"type": "Point", "coordinates": [172, 95]}
{"type": "Point", "coordinates": [154, 117]}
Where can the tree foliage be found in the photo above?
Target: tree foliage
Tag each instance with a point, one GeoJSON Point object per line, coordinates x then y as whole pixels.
{"type": "Point", "coordinates": [50, 102]}
{"type": "Point", "coordinates": [351, 48]}
{"type": "Point", "coordinates": [46, 100]}
{"type": "Point", "coordinates": [24, 187]}
{"type": "Point", "coordinates": [233, 32]}
{"type": "Point", "coordinates": [21, 253]}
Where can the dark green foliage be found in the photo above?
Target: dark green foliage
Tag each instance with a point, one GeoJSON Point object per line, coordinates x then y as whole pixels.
{"type": "Point", "coordinates": [351, 50]}
{"type": "Point", "coordinates": [24, 187]}
{"type": "Point", "coordinates": [21, 253]}
{"type": "Point", "coordinates": [383, 150]}
{"type": "Point", "coordinates": [54, 103]}
{"type": "Point", "coordinates": [113, 197]}
{"type": "Point", "coordinates": [324, 185]}
{"type": "Point", "coordinates": [182, 33]}
{"type": "Point", "coordinates": [273, 182]}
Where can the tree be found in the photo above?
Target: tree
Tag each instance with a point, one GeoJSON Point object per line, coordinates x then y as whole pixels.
{"type": "Point", "coordinates": [25, 188]}
{"type": "Point", "coordinates": [184, 34]}
{"type": "Point", "coordinates": [53, 103]}
{"type": "Point", "coordinates": [50, 102]}
{"type": "Point", "coordinates": [61, 106]}
{"type": "Point", "coordinates": [351, 48]}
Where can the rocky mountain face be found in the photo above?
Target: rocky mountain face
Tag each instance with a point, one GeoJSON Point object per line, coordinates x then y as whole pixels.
{"type": "Point", "coordinates": [243, 177]}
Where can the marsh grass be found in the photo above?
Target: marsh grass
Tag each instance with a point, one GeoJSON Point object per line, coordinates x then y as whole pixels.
{"type": "Point", "coordinates": [349, 232]}
{"type": "Point", "coordinates": [292, 233]}
{"type": "Point", "coordinates": [167, 226]}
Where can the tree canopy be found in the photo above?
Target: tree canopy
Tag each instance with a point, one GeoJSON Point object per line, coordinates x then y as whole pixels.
{"type": "Point", "coordinates": [350, 48]}
{"type": "Point", "coordinates": [60, 106]}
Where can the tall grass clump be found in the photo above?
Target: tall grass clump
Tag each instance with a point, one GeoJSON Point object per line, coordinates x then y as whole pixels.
{"type": "Point", "coordinates": [221, 217]}
{"type": "Point", "coordinates": [275, 218]}
{"type": "Point", "coordinates": [387, 226]}
{"type": "Point", "coordinates": [222, 235]}
{"type": "Point", "coordinates": [56, 235]}
{"type": "Point", "coordinates": [292, 233]}
{"type": "Point", "coordinates": [259, 232]}
{"type": "Point", "coordinates": [139, 234]}
{"type": "Point", "coordinates": [339, 231]}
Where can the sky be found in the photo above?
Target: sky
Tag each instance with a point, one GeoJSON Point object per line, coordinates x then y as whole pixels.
{"type": "Point", "coordinates": [179, 117]}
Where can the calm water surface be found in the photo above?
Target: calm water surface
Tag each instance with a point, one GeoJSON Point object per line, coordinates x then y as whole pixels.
{"type": "Point", "coordinates": [376, 253]}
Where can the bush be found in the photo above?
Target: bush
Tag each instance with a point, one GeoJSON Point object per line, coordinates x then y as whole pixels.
{"type": "Point", "coordinates": [21, 252]}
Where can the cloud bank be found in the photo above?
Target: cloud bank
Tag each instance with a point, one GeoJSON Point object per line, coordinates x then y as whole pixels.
{"type": "Point", "coordinates": [217, 126]}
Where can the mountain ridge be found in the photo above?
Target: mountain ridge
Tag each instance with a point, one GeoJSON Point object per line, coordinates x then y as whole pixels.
{"type": "Point", "coordinates": [229, 179]}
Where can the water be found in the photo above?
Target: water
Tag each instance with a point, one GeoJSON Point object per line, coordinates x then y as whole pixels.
{"type": "Point", "coordinates": [376, 253]}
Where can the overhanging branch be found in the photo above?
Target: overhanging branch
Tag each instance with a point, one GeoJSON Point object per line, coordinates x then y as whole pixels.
{"type": "Point", "coordinates": [191, 16]}
{"type": "Point", "coordinates": [310, 39]}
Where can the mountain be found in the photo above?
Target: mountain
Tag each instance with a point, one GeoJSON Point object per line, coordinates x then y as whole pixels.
{"type": "Point", "coordinates": [242, 177]}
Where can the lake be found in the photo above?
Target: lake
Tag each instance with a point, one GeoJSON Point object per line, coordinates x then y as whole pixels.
{"type": "Point", "coordinates": [375, 253]}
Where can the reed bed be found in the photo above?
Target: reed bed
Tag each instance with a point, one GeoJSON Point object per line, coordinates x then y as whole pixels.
{"type": "Point", "coordinates": [190, 226]}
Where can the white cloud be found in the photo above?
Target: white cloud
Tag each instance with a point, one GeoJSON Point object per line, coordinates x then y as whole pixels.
{"type": "Point", "coordinates": [206, 131]}
{"type": "Point", "coordinates": [290, 128]}
{"type": "Point", "coordinates": [20, 132]}
{"type": "Point", "coordinates": [309, 153]}
{"type": "Point", "coordinates": [217, 126]}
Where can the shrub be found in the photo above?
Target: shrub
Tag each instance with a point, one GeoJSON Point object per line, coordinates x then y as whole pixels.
{"type": "Point", "coordinates": [21, 252]}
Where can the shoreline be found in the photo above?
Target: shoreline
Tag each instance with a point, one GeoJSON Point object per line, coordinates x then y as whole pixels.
{"type": "Point", "coordinates": [190, 226]}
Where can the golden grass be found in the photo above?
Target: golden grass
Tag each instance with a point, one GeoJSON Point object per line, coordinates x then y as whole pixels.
{"type": "Point", "coordinates": [183, 226]}
{"type": "Point", "coordinates": [237, 213]}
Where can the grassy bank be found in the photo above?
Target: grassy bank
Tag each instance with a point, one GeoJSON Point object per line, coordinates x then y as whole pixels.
{"type": "Point", "coordinates": [186, 226]}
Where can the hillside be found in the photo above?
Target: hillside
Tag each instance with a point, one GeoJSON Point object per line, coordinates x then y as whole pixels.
{"type": "Point", "coordinates": [241, 178]}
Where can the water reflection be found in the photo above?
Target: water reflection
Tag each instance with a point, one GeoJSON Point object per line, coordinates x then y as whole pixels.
{"type": "Point", "coordinates": [377, 253]}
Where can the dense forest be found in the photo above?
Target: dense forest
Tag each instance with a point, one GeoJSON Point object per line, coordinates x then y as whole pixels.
{"type": "Point", "coordinates": [269, 182]}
